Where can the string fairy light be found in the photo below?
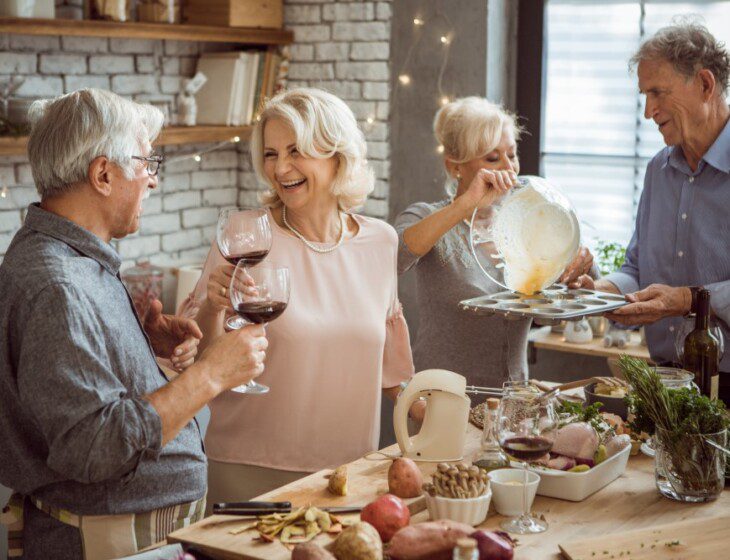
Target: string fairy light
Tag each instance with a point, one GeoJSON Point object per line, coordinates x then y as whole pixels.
{"type": "Point", "coordinates": [445, 38]}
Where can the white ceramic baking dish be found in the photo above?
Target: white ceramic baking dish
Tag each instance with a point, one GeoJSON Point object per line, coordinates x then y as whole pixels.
{"type": "Point", "coordinates": [577, 486]}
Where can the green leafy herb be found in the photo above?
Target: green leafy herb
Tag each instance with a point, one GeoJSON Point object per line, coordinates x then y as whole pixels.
{"type": "Point", "coordinates": [681, 418]}
{"type": "Point", "coordinates": [590, 414]}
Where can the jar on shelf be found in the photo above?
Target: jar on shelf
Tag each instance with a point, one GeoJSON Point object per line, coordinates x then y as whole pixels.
{"type": "Point", "coordinates": [113, 10]}
{"type": "Point", "coordinates": [159, 11]}
{"type": "Point", "coordinates": [144, 283]}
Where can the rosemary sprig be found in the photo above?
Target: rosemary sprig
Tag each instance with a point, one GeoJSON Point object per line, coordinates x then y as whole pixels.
{"type": "Point", "coordinates": [681, 418]}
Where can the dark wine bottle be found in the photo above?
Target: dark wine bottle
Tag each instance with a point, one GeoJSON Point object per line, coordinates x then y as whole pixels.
{"type": "Point", "coordinates": [701, 348]}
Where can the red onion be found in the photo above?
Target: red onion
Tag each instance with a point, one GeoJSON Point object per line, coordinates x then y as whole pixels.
{"type": "Point", "coordinates": [493, 545]}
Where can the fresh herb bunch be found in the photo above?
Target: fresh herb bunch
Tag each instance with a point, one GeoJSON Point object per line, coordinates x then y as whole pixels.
{"type": "Point", "coordinates": [681, 418]}
{"type": "Point", "coordinates": [609, 256]}
{"type": "Point", "coordinates": [680, 411]}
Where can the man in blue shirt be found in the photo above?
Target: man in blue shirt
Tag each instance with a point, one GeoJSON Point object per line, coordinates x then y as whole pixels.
{"type": "Point", "coordinates": [682, 234]}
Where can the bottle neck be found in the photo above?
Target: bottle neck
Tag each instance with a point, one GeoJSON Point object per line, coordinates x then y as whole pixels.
{"type": "Point", "coordinates": [702, 320]}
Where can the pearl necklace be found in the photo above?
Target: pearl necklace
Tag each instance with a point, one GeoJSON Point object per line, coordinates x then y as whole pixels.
{"type": "Point", "coordinates": [310, 244]}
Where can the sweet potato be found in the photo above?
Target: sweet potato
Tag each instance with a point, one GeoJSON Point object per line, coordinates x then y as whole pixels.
{"type": "Point", "coordinates": [434, 540]}
{"type": "Point", "coordinates": [310, 551]}
{"type": "Point", "coordinates": [404, 478]}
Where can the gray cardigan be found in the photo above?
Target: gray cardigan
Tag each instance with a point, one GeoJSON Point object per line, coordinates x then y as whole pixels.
{"type": "Point", "coordinates": [487, 350]}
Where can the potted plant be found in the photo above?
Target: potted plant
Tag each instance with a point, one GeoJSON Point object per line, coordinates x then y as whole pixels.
{"type": "Point", "coordinates": [609, 256]}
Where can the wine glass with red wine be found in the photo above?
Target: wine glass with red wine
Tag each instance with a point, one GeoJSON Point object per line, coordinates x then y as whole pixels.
{"type": "Point", "coordinates": [258, 295]}
{"type": "Point", "coordinates": [243, 235]}
{"type": "Point", "coordinates": [527, 427]}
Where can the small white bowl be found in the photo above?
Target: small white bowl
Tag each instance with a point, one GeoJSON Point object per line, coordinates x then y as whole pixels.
{"type": "Point", "coordinates": [471, 511]}
{"type": "Point", "coordinates": [507, 495]}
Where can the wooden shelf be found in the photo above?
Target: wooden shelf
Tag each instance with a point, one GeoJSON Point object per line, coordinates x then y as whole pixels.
{"type": "Point", "coordinates": [137, 30]}
{"type": "Point", "coordinates": [172, 135]}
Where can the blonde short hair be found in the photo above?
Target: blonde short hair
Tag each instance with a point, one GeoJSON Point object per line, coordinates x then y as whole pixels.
{"type": "Point", "coordinates": [69, 132]}
{"type": "Point", "coordinates": [471, 127]}
{"type": "Point", "coordinates": [324, 126]}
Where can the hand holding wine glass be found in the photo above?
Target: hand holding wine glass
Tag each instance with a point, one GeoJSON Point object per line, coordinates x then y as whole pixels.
{"type": "Point", "coordinates": [243, 236]}
{"type": "Point", "coordinates": [259, 295]}
{"type": "Point", "coordinates": [527, 427]}
{"type": "Point", "coordinates": [236, 357]}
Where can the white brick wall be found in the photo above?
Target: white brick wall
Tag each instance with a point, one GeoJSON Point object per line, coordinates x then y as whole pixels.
{"type": "Point", "coordinates": [344, 47]}
{"type": "Point", "coordinates": [340, 46]}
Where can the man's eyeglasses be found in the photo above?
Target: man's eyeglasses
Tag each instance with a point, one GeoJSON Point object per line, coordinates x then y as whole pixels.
{"type": "Point", "coordinates": [153, 164]}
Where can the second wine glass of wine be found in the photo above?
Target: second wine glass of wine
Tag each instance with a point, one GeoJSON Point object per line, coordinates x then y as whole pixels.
{"type": "Point", "coordinates": [259, 295]}
{"type": "Point", "coordinates": [243, 236]}
{"type": "Point", "coordinates": [527, 426]}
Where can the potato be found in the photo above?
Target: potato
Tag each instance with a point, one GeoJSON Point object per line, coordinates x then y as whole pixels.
{"type": "Point", "coordinates": [359, 542]}
{"type": "Point", "coordinates": [388, 514]}
{"type": "Point", "coordinates": [433, 540]}
{"type": "Point", "coordinates": [310, 551]}
{"type": "Point", "coordinates": [405, 479]}
{"type": "Point", "coordinates": [338, 481]}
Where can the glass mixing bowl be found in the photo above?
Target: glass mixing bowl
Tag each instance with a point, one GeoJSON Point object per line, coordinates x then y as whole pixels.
{"type": "Point", "coordinates": [526, 239]}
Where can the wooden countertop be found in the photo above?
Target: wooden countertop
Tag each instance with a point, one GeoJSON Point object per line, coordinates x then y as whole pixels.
{"type": "Point", "coordinates": [630, 502]}
{"type": "Point", "coordinates": [543, 338]}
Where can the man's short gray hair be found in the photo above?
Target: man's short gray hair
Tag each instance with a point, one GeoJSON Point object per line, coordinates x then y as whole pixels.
{"type": "Point", "coordinates": [689, 47]}
{"type": "Point", "coordinates": [69, 132]}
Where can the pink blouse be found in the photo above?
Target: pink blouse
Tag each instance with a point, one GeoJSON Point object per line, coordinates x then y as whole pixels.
{"type": "Point", "coordinates": [340, 341]}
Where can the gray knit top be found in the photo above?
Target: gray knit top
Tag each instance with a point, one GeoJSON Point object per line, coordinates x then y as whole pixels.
{"type": "Point", "coordinates": [487, 350]}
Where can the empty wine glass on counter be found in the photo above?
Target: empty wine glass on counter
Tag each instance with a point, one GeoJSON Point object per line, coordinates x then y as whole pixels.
{"type": "Point", "coordinates": [527, 426]}
{"type": "Point", "coordinates": [243, 235]}
{"type": "Point", "coordinates": [258, 295]}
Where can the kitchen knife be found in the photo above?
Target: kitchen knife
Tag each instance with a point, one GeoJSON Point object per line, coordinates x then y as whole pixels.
{"type": "Point", "coordinates": [251, 505]}
{"type": "Point", "coordinates": [267, 511]}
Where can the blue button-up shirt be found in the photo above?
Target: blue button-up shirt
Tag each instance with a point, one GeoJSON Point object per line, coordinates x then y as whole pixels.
{"type": "Point", "coordinates": [682, 237]}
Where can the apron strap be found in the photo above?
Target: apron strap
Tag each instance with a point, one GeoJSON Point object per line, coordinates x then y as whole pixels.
{"type": "Point", "coordinates": [12, 518]}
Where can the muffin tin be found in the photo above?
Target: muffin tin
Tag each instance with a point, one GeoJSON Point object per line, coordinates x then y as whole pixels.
{"type": "Point", "coordinates": [556, 303]}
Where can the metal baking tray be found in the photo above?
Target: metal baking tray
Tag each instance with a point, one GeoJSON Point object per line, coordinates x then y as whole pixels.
{"type": "Point", "coordinates": [549, 307]}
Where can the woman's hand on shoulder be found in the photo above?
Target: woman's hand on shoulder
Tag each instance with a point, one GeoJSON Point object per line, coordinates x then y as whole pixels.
{"type": "Point", "coordinates": [487, 186]}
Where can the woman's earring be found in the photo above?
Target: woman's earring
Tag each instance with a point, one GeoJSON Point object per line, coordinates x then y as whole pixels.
{"type": "Point", "coordinates": [458, 176]}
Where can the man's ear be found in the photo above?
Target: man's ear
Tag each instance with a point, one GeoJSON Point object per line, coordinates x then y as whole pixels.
{"type": "Point", "coordinates": [707, 82]}
{"type": "Point", "coordinates": [99, 176]}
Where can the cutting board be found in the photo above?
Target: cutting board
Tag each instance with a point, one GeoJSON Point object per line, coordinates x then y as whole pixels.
{"type": "Point", "coordinates": [685, 540]}
{"type": "Point", "coordinates": [366, 480]}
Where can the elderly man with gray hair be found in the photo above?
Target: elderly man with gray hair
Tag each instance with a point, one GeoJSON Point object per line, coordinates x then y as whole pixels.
{"type": "Point", "coordinates": [104, 454]}
{"type": "Point", "coordinates": [682, 236]}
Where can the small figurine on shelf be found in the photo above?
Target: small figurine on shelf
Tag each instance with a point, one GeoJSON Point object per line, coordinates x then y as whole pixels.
{"type": "Point", "coordinates": [578, 332]}
{"type": "Point", "coordinates": [616, 337]}
{"type": "Point", "coordinates": [187, 108]}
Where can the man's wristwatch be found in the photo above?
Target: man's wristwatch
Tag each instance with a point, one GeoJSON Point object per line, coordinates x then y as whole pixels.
{"type": "Point", "coordinates": [693, 290]}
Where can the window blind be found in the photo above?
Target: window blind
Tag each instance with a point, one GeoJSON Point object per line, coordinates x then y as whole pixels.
{"type": "Point", "coordinates": [596, 143]}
